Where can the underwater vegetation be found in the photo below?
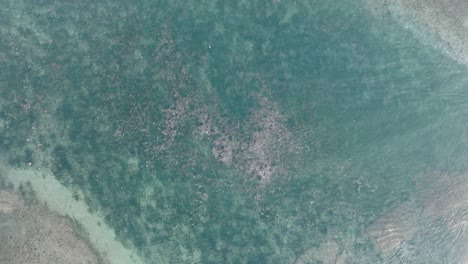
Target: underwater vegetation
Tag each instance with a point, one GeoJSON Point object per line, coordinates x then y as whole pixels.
{"type": "Point", "coordinates": [226, 132]}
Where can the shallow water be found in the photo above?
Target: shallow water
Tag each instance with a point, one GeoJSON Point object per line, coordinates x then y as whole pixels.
{"type": "Point", "coordinates": [243, 132]}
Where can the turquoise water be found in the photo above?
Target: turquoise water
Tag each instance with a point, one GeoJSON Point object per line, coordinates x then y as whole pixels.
{"type": "Point", "coordinates": [231, 132]}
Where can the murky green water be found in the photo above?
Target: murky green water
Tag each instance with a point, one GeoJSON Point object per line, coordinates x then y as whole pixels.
{"type": "Point", "coordinates": [232, 131]}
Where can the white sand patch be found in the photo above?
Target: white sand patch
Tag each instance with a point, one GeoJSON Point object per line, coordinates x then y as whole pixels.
{"type": "Point", "coordinates": [60, 199]}
{"type": "Point", "coordinates": [8, 202]}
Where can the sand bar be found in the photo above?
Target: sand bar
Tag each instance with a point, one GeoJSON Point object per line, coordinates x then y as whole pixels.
{"type": "Point", "coordinates": [60, 199]}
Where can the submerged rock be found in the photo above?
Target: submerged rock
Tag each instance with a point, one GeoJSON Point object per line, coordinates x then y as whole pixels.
{"type": "Point", "coordinates": [394, 227]}
{"type": "Point", "coordinates": [328, 252]}
{"type": "Point", "coordinates": [431, 228]}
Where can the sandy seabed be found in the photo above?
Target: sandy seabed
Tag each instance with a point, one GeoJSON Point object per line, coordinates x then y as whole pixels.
{"type": "Point", "coordinates": [446, 20]}
{"type": "Point", "coordinates": [31, 234]}
{"type": "Point", "coordinates": [39, 219]}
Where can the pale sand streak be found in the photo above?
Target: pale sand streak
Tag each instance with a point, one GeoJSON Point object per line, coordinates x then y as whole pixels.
{"type": "Point", "coordinates": [58, 198]}
{"type": "Point", "coordinates": [447, 19]}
